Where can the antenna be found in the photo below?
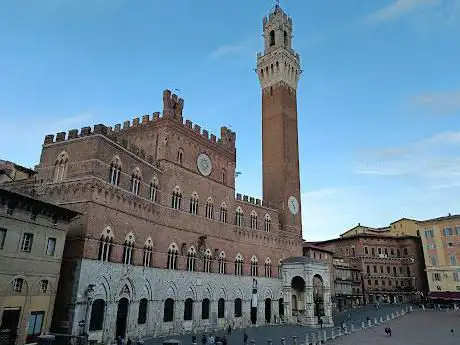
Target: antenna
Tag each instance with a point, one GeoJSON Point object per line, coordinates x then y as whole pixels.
{"type": "Point", "coordinates": [277, 3]}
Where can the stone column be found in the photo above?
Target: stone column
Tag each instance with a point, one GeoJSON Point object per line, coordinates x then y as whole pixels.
{"type": "Point", "coordinates": [310, 307]}
{"type": "Point", "coordinates": [131, 322]}
{"type": "Point", "coordinates": [196, 315]}
{"type": "Point", "coordinates": [327, 307]}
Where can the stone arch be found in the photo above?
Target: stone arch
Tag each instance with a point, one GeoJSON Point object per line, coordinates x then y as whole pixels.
{"type": "Point", "coordinates": [103, 289]}
{"type": "Point", "coordinates": [191, 293]}
{"type": "Point", "coordinates": [126, 289]}
{"type": "Point", "coordinates": [116, 162]}
{"type": "Point", "coordinates": [171, 291]}
{"type": "Point", "coordinates": [222, 294]}
{"type": "Point", "coordinates": [148, 244]}
{"type": "Point", "coordinates": [8, 287]}
{"type": "Point", "coordinates": [208, 292]}
{"type": "Point", "coordinates": [238, 294]}
{"type": "Point", "coordinates": [268, 293]}
{"type": "Point", "coordinates": [35, 286]}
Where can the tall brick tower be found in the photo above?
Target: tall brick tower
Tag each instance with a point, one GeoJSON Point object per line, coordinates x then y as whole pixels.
{"type": "Point", "coordinates": [278, 69]}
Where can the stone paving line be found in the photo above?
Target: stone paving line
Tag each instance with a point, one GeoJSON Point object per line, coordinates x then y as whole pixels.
{"type": "Point", "coordinates": [297, 333]}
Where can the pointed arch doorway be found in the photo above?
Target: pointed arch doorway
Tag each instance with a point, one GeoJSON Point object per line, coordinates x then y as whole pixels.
{"type": "Point", "coordinates": [122, 317]}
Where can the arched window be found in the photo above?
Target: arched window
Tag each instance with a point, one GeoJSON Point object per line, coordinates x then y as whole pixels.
{"type": "Point", "coordinates": [142, 316]}
{"type": "Point", "coordinates": [173, 252]}
{"type": "Point", "coordinates": [272, 38]}
{"type": "Point", "coordinates": [254, 266]}
{"type": "Point", "coordinates": [105, 245]}
{"type": "Point", "coordinates": [188, 309]}
{"type": "Point", "coordinates": [254, 220]}
{"type": "Point", "coordinates": [207, 261]}
{"type": "Point", "coordinates": [194, 203]}
{"type": "Point", "coordinates": [180, 155]}
{"type": "Point", "coordinates": [97, 315]}
{"type": "Point", "coordinates": [238, 265]}
{"type": "Point", "coordinates": [61, 165]}
{"type": "Point", "coordinates": [18, 285]}
{"type": "Point", "coordinates": [239, 217]}
{"type": "Point", "coordinates": [223, 213]}
{"type": "Point", "coordinates": [238, 307]}
{"type": "Point", "coordinates": [168, 311]}
{"type": "Point", "coordinates": [280, 273]}
{"type": "Point", "coordinates": [222, 263]}
{"type": "Point", "coordinates": [176, 198]}
{"type": "Point", "coordinates": [221, 308]}
{"type": "Point", "coordinates": [223, 176]}
{"type": "Point", "coordinates": [136, 181]}
{"type": "Point", "coordinates": [148, 249]}
{"type": "Point", "coordinates": [205, 309]}
{"type": "Point", "coordinates": [286, 42]}
{"type": "Point", "coordinates": [128, 249]}
{"type": "Point", "coordinates": [153, 189]}
{"type": "Point", "coordinates": [191, 259]}
{"type": "Point", "coordinates": [209, 209]}
{"type": "Point", "coordinates": [268, 268]}
{"type": "Point", "coordinates": [267, 223]}
{"type": "Point", "coordinates": [115, 171]}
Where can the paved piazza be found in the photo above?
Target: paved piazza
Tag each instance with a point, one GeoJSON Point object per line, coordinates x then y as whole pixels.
{"type": "Point", "coordinates": [429, 327]}
{"type": "Point", "coordinates": [276, 332]}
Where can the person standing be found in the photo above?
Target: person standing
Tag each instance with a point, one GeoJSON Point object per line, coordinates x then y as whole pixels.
{"type": "Point", "coordinates": [245, 338]}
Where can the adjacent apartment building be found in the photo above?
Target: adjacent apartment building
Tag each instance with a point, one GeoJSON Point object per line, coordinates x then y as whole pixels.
{"type": "Point", "coordinates": [441, 244]}
{"type": "Point", "coordinates": [32, 236]}
{"type": "Point", "coordinates": [390, 264]}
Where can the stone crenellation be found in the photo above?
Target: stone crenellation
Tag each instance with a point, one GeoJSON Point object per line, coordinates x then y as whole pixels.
{"type": "Point", "coordinates": [172, 109]}
{"type": "Point", "coordinates": [253, 200]}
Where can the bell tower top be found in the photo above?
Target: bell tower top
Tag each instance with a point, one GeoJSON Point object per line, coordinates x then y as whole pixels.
{"type": "Point", "coordinates": [279, 62]}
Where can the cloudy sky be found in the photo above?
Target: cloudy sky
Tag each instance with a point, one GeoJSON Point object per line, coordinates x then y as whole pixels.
{"type": "Point", "coordinates": [378, 101]}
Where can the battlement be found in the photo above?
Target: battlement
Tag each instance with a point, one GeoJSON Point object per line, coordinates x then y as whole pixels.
{"type": "Point", "coordinates": [254, 201]}
{"type": "Point", "coordinates": [277, 15]}
{"type": "Point", "coordinates": [172, 109]}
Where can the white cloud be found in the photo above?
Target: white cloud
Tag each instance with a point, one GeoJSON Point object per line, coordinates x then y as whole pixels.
{"type": "Point", "coordinates": [400, 8]}
{"type": "Point", "coordinates": [438, 103]}
{"type": "Point", "coordinates": [228, 49]}
{"type": "Point", "coordinates": [432, 162]}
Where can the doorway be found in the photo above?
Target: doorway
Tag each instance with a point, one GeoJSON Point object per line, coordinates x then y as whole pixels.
{"type": "Point", "coordinates": [9, 326]}
{"type": "Point", "coordinates": [122, 317]}
{"type": "Point", "coordinates": [281, 308]}
{"type": "Point", "coordinates": [268, 310]}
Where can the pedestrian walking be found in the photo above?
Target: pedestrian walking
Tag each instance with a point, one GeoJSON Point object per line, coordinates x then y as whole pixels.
{"type": "Point", "coordinates": [245, 338]}
{"type": "Point", "coordinates": [389, 331]}
{"type": "Point", "coordinates": [452, 331]}
{"type": "Point", "coordinates": [212, 340]}
{"type": "Point", "coordinates": [204, 340]}
{"type": "Point", "coordinates": [321, 323]}
{"type": "Point", "coordinates": [229, 329]}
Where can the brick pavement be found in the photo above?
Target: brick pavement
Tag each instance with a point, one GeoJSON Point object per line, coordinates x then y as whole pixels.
{"type": "Point", "coordinates": [420, 328]}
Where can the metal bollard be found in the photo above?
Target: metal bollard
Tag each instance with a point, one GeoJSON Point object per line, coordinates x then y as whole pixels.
{"type": "Point", "coordinates": [375, 321]}
{"type": "Point", "coordinates": [410, 308]}
{"type": "Point", "coordinates": [352, 328]}
{"type": "Point", "coordinates": [283, 341]}
{"type": "Point", "coordinates": [345, 330]}
{"type": "Point", "coordinates": [369, 323]}
{"type": "Point", "coordinates": [362, 325]}
{"type": "Point", "coordinates": [269, 342]}
{"type": "Point", "coordinates": [381, 319]}
{"type": "Point", "coordinates": [388, 317]}
{"type": "Point", "coordinates": [397, 314]}
{"type": "Point", "coordinates": [392, 316]}
{"type": "Point", "coordinates": [294, 340]}
{"type": "Point", "coordinates": [307, 341]}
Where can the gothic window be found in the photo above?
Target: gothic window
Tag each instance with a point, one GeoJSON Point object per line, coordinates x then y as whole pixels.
{"type": "Point", "coordinates": [191, 259]}
{"type": "Point", "coordinates": [194, 203]}
{"type": "Point", "coordinates": [239, 265]}
{"type": "Point", "coordinates": [254, 266]}
{"type": "Point", "coordinates": [105, 245]}
{"type": "Point", "coordinates": [18, 285]}
{"type": "Point", "coordinates": [142, 315]}
{"type": "Point", "coordinates": [168, 311]}
{"type": "Point", "coordinates": [43, 286]}
{"type": "Point", "coordinates": [115, 171]}
{"type": "Point", "coordinates": [238, 307]}
{"type": "Point", "coordinates": [222, 263]}
{"type": "Point", "coordinates": [221, 308]}
{"type": "Point", "coordinates": [268, 268]}
{"type": "Point", "coordinates": [153, 192]}
{"type": "Point", "coordinates": [207, 261]}
{"type": "Point", "coordinates": [97, 315]}
{"type": "Point", "coordinates": [188, 309]}
{"type": "Point", "coordinates": [280, 271]}
{"type": "Point", "coordinates": [267, 223]}
{"type": "Point", "coordinates": [223, 176]}
{"type": "Point", "coordinates": [128, 249]}
{"type": "Point", "coordinates": [209, 209]}
{"type": "Point", "coordinates": [223, 213]}
{"type": "Point", "coordinates": [61, 165]}
{"type": "Point", "coordinates": [176, 198]}
{"type": "Point", "coordinates": [286, 43]}
{"type": "Point", "coordinates": [272, 38]}
{"type": "Point", "coordinates": [148, 249]}
{"type": "Point", "coordinates": [205, 309]}
{"type": "Point", "coordinates": [180, 155]}
{"type": "Point", "coordinates": [239, 217]}
{"type": "Point", "coordinates": [135, 181]}
{"type": "Point", "coordinates": [173, 253]}
{"type": "Point", "coordinates": [253, 220]}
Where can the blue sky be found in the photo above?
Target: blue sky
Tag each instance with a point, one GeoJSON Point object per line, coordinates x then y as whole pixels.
{"type": "Point", "coordinates": [378, 101]}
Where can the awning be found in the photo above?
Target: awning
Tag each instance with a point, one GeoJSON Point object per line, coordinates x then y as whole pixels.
{"type": "Point", "coordinates": [450, 295]}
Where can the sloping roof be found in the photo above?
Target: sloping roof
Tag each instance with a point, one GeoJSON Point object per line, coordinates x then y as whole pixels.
{"type": "Point", "coordinates": [413, 220]}
{"type": "Point", "coordinates": [5, 166]}
{"type": "Point", "coordinates": [297, 260]}
{"type": "Point", "coordinates": [439, 219]}
{"type": "Point", "coordinates": [313, 246]}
